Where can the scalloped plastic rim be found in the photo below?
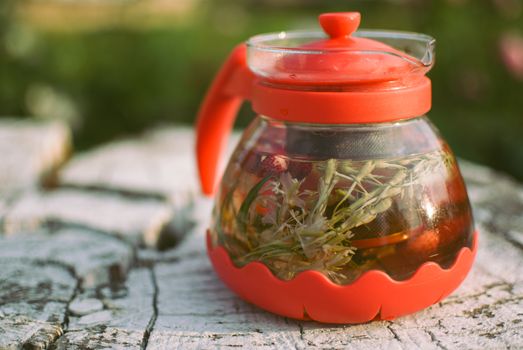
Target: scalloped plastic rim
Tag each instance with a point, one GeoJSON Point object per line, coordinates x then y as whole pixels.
{"type": "Point", "coordinates": [311, 295]}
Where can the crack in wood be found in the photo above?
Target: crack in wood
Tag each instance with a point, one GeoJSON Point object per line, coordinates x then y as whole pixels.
{"type": "Point", "coordinates": [505, 286]}
{"type": "Point", "coordinates": [435, 340]}
{"type": "Point", "coordinates": [31, 302]}
{"type": "Point", "coordinates": [67, 314]}
{"type": "Point", "coordinates": [394, 333]}
{"type": "Point", "coordinates": [122, 192]}
{"type": "Point", "coordinates": [137, 221]}
{"type": "Point", "coordinates": [514, 242]}
{"type": "Point", "coordinates": [152, 321]}
{"type": "Point", "coordinates": [54, 225]}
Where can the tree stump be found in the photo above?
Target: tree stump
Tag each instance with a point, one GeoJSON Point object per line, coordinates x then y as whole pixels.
{"type": "Point", "coordinates": [113, 256]}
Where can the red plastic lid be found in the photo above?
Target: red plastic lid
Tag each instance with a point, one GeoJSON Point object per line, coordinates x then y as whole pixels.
{"type": "Point", "coordinates": [342, 58]}
{"type": "Point", "coordinates": [345, 77]}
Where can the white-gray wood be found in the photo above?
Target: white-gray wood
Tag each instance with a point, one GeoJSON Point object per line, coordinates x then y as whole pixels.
{"type": "Point", "coordinates": [160, 163]}
{"type": "Point", "coordinates": [95, 258]}
{"type": "Point", "coordinates": [127, 312]}
{"type": "Point", "coordinates": [30, 151]}
{"type": "Point", "coordinates": [74, 273]}
{"type": "Point", "coordinates": [197, 311]}
{"type": "Point", "coordinates": [3, 208]}
{"type": "Point", "coordinates": [33, 303]}
{"type": "Point", "coordinates": [136, 220]}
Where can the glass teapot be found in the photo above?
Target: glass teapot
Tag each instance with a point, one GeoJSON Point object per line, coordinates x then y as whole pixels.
{"type": "Point", "coordinates": [341, 202]}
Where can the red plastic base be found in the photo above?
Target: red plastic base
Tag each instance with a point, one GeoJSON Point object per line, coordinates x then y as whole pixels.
{"type": "Point", "coordinates": [311, 295]}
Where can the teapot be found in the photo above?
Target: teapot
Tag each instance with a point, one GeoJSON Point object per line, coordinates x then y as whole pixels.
{"type": "Point", "coordinates": [342, 203]}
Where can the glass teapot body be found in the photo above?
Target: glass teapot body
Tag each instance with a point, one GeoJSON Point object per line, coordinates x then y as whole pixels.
{"type": "Point", "coordinates": [341, 203]}
{"type": "Point", "coordinates": [342, 199]}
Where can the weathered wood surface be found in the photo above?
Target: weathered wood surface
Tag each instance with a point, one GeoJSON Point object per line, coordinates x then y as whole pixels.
{"type": "Point", "coordinates": [120, 320]}
{"type": "Point", "coordinates": [33, 299]}
{"type": "Point", "coordinates": [81, 268]}
{"type": "Point", "coordinates": [158, 164]}
{"type": "Point", "coordinates": [138, 221]}
{"type": "Point", "coordinates": [29, 152]}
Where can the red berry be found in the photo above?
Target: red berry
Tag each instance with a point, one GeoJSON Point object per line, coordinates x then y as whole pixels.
{"type": "Point", "coordinates": [272, 165]}
{"type": "Point", "coordinates": [299, 170]}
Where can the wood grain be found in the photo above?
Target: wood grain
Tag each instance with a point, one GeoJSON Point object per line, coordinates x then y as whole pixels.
{"type": "Point", "coordinates": [30, 153]}
{"type": "Point", "coordinates": [135, 220]}
{"type": "Point", "coordinates": [88, 239]}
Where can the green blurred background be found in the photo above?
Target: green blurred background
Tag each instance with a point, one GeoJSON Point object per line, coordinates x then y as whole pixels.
{"type": "Point", "coordinates": [112, 68]}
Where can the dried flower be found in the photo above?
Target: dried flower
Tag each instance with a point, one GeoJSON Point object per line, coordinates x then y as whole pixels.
{"type": "Point", "coordinates": [273, 164]}
{"type": "Point", "coordinates": [302, 229]}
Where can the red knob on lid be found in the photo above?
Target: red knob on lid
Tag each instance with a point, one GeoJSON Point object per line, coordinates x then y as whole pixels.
{"type": "Point", "coordinates": [340, 59]}
{"type": "Point", "coordinates": [315, 78]}
{"type": "Point", "coordinates": [340, 24]}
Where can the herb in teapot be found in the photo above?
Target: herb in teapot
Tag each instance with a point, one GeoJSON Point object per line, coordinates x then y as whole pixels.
{"type": "Point", "coordinates": [338, 217]}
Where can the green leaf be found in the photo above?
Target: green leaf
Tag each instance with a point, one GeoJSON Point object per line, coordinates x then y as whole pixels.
{"type": "Point", "coordinates": [226, 202]}
{"type": "Point", "coordinates": [243, 213]}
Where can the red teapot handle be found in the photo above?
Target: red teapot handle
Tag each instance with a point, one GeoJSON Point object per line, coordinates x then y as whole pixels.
{"type": "Point", "coordinates": [231, 86]}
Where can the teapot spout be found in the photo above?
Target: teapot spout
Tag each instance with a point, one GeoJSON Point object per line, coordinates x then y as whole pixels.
{"type": "Point", "coordinates": [418, 50]}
